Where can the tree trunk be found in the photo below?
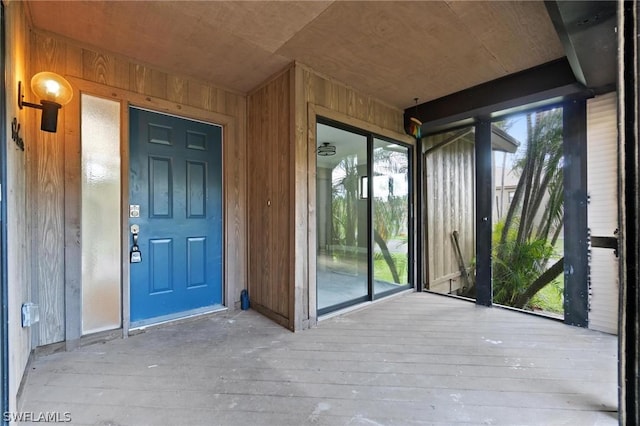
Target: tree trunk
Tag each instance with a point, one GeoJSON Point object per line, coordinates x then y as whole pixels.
{"type": "Point", "coordinates": [387, 255]}
{"type": "Point", "coordinates": [526, 178]}
{"type": "Point", "coordinates": [544, 279]}
{"type": "Point", "coordinates": [501, 206]}
{"type": "Point", "coordinates": [511, 214]}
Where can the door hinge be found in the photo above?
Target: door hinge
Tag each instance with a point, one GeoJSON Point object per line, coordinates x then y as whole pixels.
{"type": "Point", "coordinates": [606, 242]}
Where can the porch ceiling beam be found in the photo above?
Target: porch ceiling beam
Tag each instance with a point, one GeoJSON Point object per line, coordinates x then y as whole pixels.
{"type": "Point", "coordinates": [545, 84]}
{"type": "Point", "coordinates": [587, 30]}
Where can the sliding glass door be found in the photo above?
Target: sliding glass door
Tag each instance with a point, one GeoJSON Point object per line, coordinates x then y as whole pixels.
{"type": "Point", "coordinates": [363, 241]}
{"type": "Point", "coordinates": [391, 224]}
{"type": "Point", "coordinates": [342, 261]}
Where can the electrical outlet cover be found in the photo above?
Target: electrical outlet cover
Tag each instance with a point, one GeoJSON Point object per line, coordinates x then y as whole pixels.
{"type": "Point", "coordinates": [30, 314]}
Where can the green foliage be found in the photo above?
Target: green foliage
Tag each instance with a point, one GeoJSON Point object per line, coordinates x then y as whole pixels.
{"type": "Point", "coordinates": [382, 272]}
{"type": "Point", "coordinates": [344, 205]}
{"type": "Point", "coordinates": [523, 242]}
{"type": "Point", "coordinates": [550, 298]}
{"type": "Point", "coordinates": [516, 265]}
{"type": "Point", "coordinates": [390, 217]}
{"type": "Point", "coordinates": [390, 212]}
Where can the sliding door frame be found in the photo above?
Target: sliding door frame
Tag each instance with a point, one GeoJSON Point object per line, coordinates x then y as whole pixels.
{"type": "Point", "coordinates": [371, 136]}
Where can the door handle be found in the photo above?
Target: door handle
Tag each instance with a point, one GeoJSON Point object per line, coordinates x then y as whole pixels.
{"type": "Point", "coordinates": [135, 256]}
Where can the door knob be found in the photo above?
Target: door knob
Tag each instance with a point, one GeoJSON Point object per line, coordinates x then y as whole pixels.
{"type": "Point", "coordinates": [134, 255]}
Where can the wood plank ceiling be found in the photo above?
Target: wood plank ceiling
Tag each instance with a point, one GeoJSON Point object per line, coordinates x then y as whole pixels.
{"type": "Point", "coordinates": [395, 51]}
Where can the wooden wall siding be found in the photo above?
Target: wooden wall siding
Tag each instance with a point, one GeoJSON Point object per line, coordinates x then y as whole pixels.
{"type": "Point", "coordinates": [47, 208]}
{"type": "Point", "coordinates": [344, 100]}
{"type": "Point", "coordinates": [270, 197]}
{"type": "Point", "coordinates": [303, 299]}
{"type": "Point", "coordinates": [17, 189]}
{"type": "Point", "coordinates": [450, 205]}
{"type": "Point", "coordinates": [54, 202]}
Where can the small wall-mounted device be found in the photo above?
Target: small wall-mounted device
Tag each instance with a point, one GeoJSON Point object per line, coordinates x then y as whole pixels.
{"type": "Point", "coordinates": [30, 314]}
{"type": "Point", "coordinates": [134, 210]}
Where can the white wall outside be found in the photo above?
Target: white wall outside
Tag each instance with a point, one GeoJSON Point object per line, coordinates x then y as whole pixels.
{"type": "Point", "coordinates": [602, 210]}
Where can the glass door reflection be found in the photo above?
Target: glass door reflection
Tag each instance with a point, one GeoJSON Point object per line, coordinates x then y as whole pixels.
{"type": "Point", "coordinates": [342, 253]}
{"type": "Point", "coordinates": [391, 208]}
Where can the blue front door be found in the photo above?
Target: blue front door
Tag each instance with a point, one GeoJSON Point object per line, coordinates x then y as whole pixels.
{"type": "Point", "coordinates": [175, 186]}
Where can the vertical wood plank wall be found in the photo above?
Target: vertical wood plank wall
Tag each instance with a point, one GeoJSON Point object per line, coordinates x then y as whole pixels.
{"type": "Point", "coordinates": [343, 100]}
{"type": "Point", "coordinates": [449, 203]}
{"type": "Point", "coordinates": [17, 190]}
{"type": "Point", "coordinates": [280, 156]}
{"type": "Point", "coordinates": [47, 196]}
{"type": "Point", "coordinates": [270, 197]}
{"type": "Point", "coordinates": [52, 220]}
{"type": "Point", "coordinates": [281, 159]}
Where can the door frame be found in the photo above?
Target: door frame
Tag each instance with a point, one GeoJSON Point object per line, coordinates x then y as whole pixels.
{"type": "Point", "coordinates": [317, 113]}
{"type": "Point", "coordinates": [230, 135]}
{"type": "Point", "coordinates": [196, 115]}
{"type": "Point", "coordinates": [126, 248]}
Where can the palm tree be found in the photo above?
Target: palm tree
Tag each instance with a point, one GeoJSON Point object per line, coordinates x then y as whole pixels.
{"type": "Point", "coordinates": [524, 241]}
{"type": "Point", "coordinates": [345, 196]}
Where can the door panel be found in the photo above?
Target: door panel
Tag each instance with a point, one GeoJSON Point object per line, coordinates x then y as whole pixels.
{"type": "Point", "coordinates": [391, 221]}
{"type": "Point", "coordinates": [176, 179]}
{"type": "Point", "coordinates": [342, 268]}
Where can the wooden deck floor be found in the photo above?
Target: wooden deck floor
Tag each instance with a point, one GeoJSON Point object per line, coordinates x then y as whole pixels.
{"type": "Point", "coordinates": [415, 359]}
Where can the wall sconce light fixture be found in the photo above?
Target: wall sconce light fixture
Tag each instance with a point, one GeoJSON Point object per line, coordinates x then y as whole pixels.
{"type": "Point", "coordinates": [53, 92]}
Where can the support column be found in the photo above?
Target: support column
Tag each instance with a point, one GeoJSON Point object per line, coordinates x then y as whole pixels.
{"type": "Point", "coordinates": [576, 250]}
{"type": "Point", "coordinates": [418, 215]}
{"type": "Point", "coordinates": [629, 98]}
{"type": "Point", "coordinates": [484, 184]}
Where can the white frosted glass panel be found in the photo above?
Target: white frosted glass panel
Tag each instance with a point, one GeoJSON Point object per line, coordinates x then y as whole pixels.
{"type": "Point", "coordinates": [101, 264]}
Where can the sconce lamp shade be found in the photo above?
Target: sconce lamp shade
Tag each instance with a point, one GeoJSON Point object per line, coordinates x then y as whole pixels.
{"type": "Point", "coordinates": [51, 87]}
{"type": "Point", "coordinates": [53, 92]}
